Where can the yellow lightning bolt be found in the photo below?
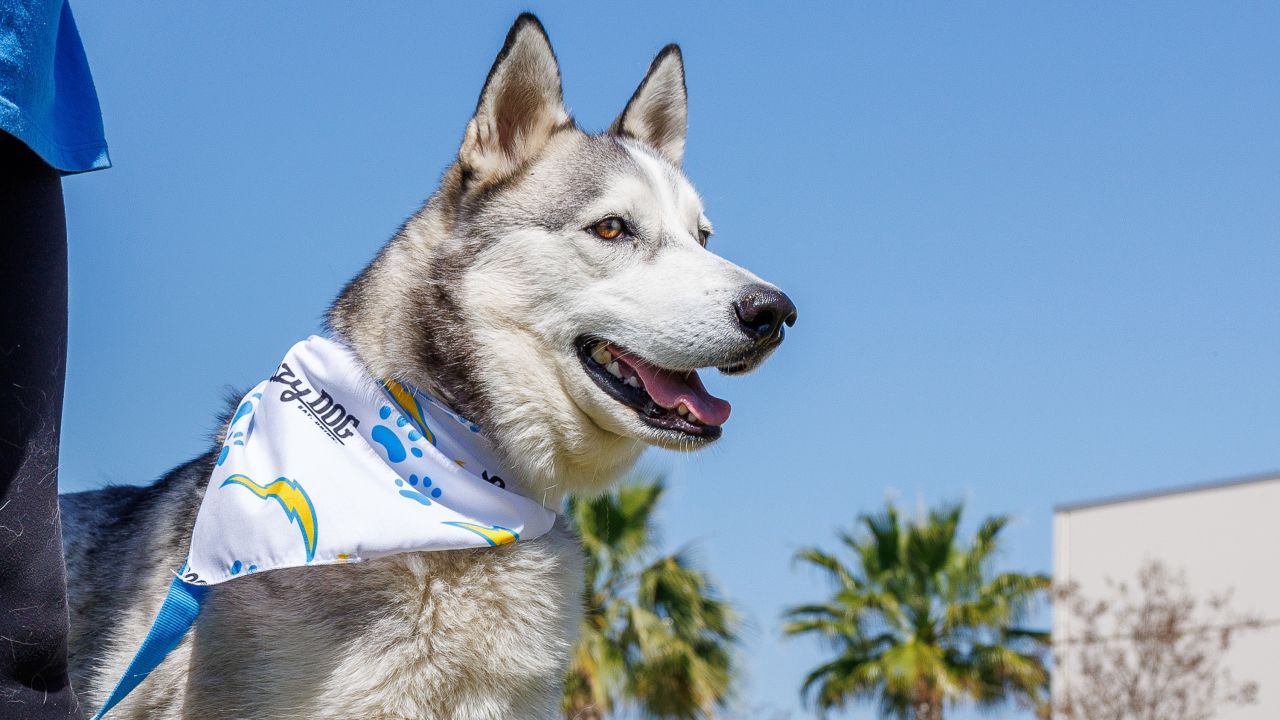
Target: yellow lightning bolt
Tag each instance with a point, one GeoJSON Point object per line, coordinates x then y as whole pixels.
{"type": "Point", "coordinates": [495, 534]}
{"type": "Point", "coordinates": [409, 404]}
{"type": "Point", "coordinates": [297, 505]}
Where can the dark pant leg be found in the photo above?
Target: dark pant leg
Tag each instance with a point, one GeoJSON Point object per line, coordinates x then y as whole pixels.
{"type": "Point", "coordinates": [33, 345]}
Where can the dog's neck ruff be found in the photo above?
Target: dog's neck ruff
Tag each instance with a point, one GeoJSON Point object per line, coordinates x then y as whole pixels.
{"type": "Point", "coordinates": [323, 464]}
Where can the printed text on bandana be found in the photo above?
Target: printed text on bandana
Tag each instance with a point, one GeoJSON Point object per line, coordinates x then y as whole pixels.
{"type": "Point", "coordinates": [328, 414]}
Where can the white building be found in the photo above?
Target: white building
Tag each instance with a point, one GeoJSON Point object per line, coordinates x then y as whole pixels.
{"type": "Point", "coordinates": [1223, 535]}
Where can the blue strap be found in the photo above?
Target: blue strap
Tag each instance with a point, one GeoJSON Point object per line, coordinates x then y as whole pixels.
{"type": "Point", "coordinates": [176, 616]}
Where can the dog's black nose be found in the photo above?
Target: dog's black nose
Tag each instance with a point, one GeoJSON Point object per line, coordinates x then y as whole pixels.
{"type": "Point", "coordinates": [762, 312]}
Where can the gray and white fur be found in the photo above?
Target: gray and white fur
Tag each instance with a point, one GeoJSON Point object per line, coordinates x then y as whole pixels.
{"type": "Point", "coordinates": [492, 297]}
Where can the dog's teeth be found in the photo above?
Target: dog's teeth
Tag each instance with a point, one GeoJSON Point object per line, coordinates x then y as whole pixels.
{"type": "Point", "coordinates": [682, 409]}
{"type": "Point", "coordinates": [614, 370]}
{"type": "Point", "coordinates": [602, 356]}
{"type": "Point", "coordinates": [632, 381]}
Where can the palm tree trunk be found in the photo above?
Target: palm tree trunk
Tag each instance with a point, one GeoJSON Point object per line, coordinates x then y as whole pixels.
{"type": "Point", "coordinates": [928, 707]}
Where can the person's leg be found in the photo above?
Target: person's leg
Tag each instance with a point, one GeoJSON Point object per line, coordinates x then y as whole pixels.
{"type": "Point", "coordinates": [33, 344]}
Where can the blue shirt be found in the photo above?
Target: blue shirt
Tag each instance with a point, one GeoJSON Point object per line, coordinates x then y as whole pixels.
{"type": "Point", "coordinates": [47, 98]}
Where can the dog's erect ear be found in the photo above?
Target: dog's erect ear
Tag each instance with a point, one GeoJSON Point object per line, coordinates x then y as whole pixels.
{"type": "Point", "coordinates": [658, 114]}
{"type": "Point", "coordinates": [520, 107]}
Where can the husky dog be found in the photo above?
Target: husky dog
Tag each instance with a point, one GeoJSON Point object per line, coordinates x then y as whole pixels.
{"type": "Point", "coordinates": [557, 289]}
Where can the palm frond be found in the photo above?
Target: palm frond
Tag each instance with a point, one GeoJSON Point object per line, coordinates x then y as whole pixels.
{"type": "Point", "coordinates": [656, 635]}
{"type": "Point", "coordinates": [832, 565]}
{"type": "Point", "coordinates": [920, 619]}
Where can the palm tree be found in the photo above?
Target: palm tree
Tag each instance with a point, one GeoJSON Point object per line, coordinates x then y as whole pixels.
{"type": "Point", "coordinates": [920, 620]}
{"type": "Point", "coordinates": [656, 635]}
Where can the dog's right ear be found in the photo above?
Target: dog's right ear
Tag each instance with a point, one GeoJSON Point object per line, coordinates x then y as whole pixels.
{"type": "Point", "coordinates": [520, 108]}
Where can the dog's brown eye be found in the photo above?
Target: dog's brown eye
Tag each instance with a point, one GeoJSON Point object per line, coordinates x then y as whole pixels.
{"type": "Point", "coordinates": [610, 228]}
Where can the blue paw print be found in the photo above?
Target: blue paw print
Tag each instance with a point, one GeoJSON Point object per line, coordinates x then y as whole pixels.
{"type": "Point", "coordinates": [398, 450]}
{"type": "Point", "coordinates": [237, 566]}
{"type": "Point", "coordinates": [413, 493]}
{"type": "Point", "coordinates": [390, 440]}
{"type": "Point", "coordinates": [237, 437]}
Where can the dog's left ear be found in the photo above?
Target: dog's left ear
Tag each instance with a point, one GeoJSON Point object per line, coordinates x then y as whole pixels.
{"type": "Point", "coordinates": [520, 107]}
{"type": "Point", "coordinates": [658, 114]}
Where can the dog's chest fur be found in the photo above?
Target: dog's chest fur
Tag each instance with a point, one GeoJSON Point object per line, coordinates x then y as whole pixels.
{"type": "Point", "coordinates": [480, 633]}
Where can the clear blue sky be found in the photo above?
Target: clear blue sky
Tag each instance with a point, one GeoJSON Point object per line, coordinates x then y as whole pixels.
{"type": "Point", "coordinates": [1035, 248]}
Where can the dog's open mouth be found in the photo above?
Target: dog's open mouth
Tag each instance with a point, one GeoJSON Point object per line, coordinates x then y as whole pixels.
{"type": "Point", "coordinates": [672, 400]}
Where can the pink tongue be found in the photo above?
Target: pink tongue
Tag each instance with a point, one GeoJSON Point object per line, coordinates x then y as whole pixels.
{"type": "Point", "coordinates": [669, 389]}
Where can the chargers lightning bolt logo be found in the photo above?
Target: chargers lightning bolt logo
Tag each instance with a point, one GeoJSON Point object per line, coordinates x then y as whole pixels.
{"type": "Point", "coordinates": [292, 498]}
{"type": "Point", "coordinates": [495, 534]}
{"type": "Point", "coordinates": [409, 404]}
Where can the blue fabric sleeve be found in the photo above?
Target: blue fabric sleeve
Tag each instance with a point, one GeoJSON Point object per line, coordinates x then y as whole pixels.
{"type": "Point", "coordinates": [47, 98]}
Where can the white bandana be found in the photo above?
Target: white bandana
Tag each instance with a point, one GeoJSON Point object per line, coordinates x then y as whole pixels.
{"type": "Point", "coordinates": [322, 464]}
